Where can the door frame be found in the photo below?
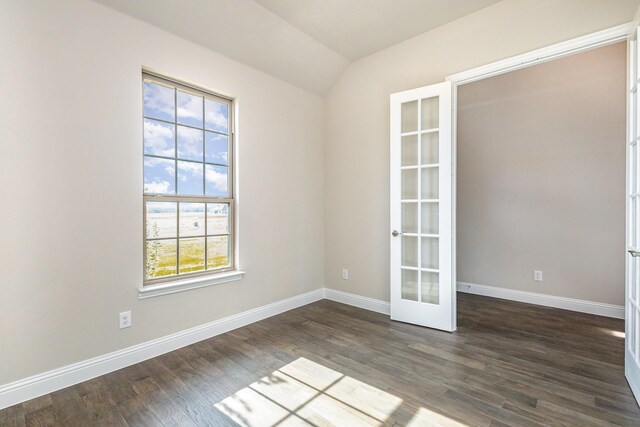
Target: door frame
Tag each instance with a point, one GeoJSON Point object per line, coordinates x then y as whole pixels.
{"type": "Point", "coordinates": [548, 53]}
{"type": "Point", "coordinates": [580, 44]}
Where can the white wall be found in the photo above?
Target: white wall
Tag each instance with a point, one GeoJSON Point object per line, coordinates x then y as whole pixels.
{"type": "Point", "coordinates": [71, 174]}
{"type": "Point", "coordinates": [357, 116]}
{"type": "Point", "coordinates": [541, 177]}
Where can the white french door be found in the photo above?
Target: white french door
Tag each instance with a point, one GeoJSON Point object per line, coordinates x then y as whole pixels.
{"type": "Point", "coordinates": [632, 297]}
{"type": "Point", "coordinates": [422, 260]}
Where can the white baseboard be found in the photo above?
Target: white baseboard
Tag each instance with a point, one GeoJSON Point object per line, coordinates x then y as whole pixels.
{"type": "Point", "coordinates": [38, 385]}
{"type": "Point", "coordinates": [358, 301]}
{"type": "Point", "coordinates": [583, 306]}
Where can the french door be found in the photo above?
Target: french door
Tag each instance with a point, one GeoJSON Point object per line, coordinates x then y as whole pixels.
{"type": "Point", "coordinates": [422, 260]}
{"type": "Point", "coordinates": [632, 297]}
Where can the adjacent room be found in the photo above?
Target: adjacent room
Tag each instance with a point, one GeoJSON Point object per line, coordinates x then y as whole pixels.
{"type": "Point", "coordinates": [541, 180]}
{"type": "Point", "coordinates": [320, 213]}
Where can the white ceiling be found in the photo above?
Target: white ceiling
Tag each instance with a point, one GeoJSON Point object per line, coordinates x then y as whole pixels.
{"type": "Point", "coordinates": [308, 43]}
{"type": "Point", "coordinates": [357, 28]}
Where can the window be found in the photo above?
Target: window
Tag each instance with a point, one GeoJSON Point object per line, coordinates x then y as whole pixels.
{"type": "Point", "coordinates": [188, 184]}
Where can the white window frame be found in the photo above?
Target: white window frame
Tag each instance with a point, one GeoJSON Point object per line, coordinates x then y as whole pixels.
{"type": "Point", "coordinates": [191, 280]}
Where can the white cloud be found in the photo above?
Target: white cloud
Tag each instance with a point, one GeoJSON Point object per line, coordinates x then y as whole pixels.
{"type": "Point", "coordinates": [216, 118]}
{"type": "Point", "coordinates": [218, 157]}
{"type": "Point", "coordinates": [167, 165]}
{"type": "Point", "coordinates": [157, 187]}
{"type": "Point", "coordinates": [152, 162]}
{"type": "Point", "coordinates": [189, 106]}
{"type": "Point", "coordinates": [216, 147]}
{"type": "Point", "coordinates": [159, 98]}
{"type": "Point", "coordinates": [158, 139]}
{"type": "Point", "coordinates": [216, 114]}
{"type": "Point", "coordinates": [189, 142]}
{"type": "Point", "coordinates": [194, 169]}
{"type": "Point", "coordinates": [218, 179]}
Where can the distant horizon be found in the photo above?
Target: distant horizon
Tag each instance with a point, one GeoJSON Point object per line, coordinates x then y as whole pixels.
{"type": "Point", "coordinates": [170, 206]}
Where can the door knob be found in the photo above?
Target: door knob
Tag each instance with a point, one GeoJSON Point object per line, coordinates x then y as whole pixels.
{"type": "Point", "coordinates": [634, 253]}
{"type": "Point", "coordinates": [395, 233]}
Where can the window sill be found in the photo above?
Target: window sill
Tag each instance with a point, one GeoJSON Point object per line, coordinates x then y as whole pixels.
{"type": "Point", "coordinates": [181, 285]}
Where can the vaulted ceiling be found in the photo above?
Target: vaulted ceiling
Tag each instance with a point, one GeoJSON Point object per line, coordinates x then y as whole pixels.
{"type": "Point", "coordinates": [357, 28]}
{"type": "Point", "coordinates": [308, 43]}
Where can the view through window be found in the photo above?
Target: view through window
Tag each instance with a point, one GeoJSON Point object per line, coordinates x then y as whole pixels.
{"type": "Point", "coordinates": [188, 186]}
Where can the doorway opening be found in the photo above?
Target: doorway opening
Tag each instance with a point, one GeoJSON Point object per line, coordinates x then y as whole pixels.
{"type": "Point", "coordinates": [541, 182]}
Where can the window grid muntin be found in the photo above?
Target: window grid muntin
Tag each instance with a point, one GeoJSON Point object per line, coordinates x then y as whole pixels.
{"type": "Point", "coordinates": [197, 128]}
{"type": "Point", "coordinates": [178, 198]}
{"type": "Point", "coordinates": [184, 160]}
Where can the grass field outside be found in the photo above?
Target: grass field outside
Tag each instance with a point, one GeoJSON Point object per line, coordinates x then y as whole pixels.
{"type": "Point", "coordinates": [162, 254]}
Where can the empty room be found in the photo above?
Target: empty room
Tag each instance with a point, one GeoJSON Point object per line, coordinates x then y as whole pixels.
{"type": "Point", "coordinates": [320, 213]}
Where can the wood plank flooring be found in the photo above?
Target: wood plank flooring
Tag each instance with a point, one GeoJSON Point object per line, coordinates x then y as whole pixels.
{"type": "Point", "coordinates": [327, 363]}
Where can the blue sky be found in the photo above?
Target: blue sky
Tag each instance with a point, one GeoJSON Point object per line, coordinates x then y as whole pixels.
{"type": "Point", "coordinates": [159, 103]}
{"type": "Point", "coordinates": [196, 145]}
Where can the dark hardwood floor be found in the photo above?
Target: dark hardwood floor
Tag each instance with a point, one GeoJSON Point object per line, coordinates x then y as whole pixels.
{"type": "Point", "coordinates": [508, 364]}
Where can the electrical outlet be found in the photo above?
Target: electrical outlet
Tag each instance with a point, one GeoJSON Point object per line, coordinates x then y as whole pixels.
{"type": "Point", "coordinates": [537, 276]}
{"type": "Point", "coordinates": [125, 319]}
{"type": "Point", "coordinates": [345, 274]}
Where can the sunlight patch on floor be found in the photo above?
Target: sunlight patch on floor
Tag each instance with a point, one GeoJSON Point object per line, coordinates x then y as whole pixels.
{"type": "Point", "coordinates": [617, 334]}
{"type": "Point", "coordinates": [305, 393]}
{"type": "Point", "coordinates": [427, 418]}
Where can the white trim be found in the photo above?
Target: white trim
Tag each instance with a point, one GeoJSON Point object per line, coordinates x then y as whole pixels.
{"type": "Point", "coordinates": [631, 363]}
{"type": "Point", "coordinates": [569, 47]}
{"type": "Point", "coordinates": [582, 306]}
{"type": "Point", "coordinates": [167, 288]}
{"type": "Point", "coordinates": [56, 379]}
{"type": "Point", "coordinates": [358, 301]}
{"type": "Point", "coordinates": [631, 379]}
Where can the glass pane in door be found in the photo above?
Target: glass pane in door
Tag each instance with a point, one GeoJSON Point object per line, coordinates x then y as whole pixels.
{"type": "Point", "coordinates": [409, 184]}
{"type": "Point", "coordinates": [633, 206]}
{"type": "Point", "coordinates": [430, 113]}
{"type": "Point", "coordinates": [636, 279]}
{"type": "Point", "coordinates": [429, 183]}
{"type": "Point", "coordinates": [409, 117]}
{"type": "Point", "coordinates": [430, 287]}
{"type": "Point", "coordinates": [633, 274]}
{"type": "Point", "coordinates": [632, 336]}
{"type": "Point", "coordinates": [430, 218]}
{"type": "Point", "coordinates": [409, 217]}
{"type": "Point", "coordinates": [637, 333]}
{"type": "Point", "coordinates": [633, 161]}
{"type": "Point", "coordinates": [409, 251]}
{"type": "Point", "coordinates": [410, 284]}
{"type": "Point", "coordinates": [429, 155]}
{"type": "Point", "coordinates": [409, 149]}
{"type": "Point", "coordinates": [430, 252]}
